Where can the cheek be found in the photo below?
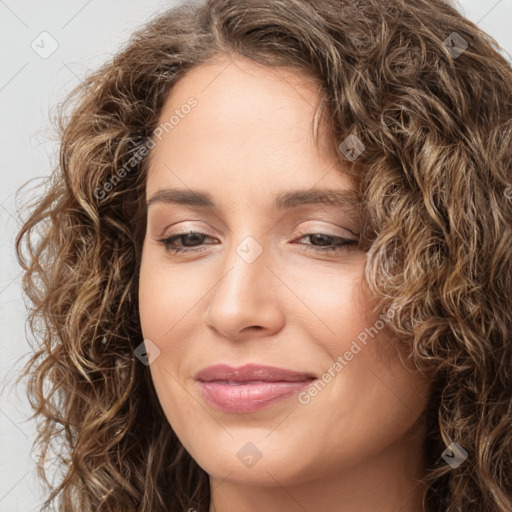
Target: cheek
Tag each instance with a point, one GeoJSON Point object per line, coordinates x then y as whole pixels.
{"type": "Point", "coordinates": [328, 302]}
{"type": "Point", "coordinates": [366, 392]}
{"type": "Point", "coordinates": [165, 298]}
{"type": "Point", "coordinates": [169, 296]}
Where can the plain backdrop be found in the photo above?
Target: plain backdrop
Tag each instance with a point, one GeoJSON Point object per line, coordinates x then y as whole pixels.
{"type": "Point", "coordinates": [46, 48]}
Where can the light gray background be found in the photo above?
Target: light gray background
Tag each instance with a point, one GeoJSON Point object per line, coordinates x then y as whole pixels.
{"type": "Point", "coordinates": [87, 34]}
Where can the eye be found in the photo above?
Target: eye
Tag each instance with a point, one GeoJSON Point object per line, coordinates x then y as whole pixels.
{"type": "Point", "coordinates": [192, 240]}
{"type": "Point", "coordinates": [190, 237]}
{"type": "Point", "coordinates": [328, 243]}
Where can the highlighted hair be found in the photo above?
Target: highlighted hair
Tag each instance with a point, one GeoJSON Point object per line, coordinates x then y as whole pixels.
{"type": "Point", "coordinates": [435, 180]}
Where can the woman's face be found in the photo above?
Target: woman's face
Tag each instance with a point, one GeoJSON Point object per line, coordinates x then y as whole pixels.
{"type": "Point", "coordinates": [254, 287]}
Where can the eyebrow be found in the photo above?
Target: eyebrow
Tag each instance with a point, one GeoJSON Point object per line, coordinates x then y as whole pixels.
{"type": "Point", "coordinates": [284, 200]}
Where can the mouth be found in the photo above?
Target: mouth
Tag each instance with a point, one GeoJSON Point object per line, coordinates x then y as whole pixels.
{"type": "Point", "coordinates": [251, 373]}
{"type": "Point", "coordinates": [250, 387]}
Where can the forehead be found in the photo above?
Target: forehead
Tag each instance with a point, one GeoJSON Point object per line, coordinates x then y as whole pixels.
{"type": "Point", "coordinates": [237, 84]}
{"type": "Point", "coordinates": [251, 125]}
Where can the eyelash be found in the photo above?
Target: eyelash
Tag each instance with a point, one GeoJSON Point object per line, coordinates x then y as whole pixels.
{"type": "Point", "coordinates": [343, 245]}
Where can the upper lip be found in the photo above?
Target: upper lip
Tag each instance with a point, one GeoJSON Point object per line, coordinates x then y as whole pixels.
{"type": "Point", "coordinates": [251, 372]}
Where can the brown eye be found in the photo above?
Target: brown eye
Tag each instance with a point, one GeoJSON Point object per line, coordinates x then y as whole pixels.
{"type": "Point", "coordinates": [328, 243]}
{"type": "Point", "coordinates": [191, 239]}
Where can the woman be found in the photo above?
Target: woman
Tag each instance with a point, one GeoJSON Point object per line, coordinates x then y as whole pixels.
{"type": "Point", "coordinates": [275, 262]}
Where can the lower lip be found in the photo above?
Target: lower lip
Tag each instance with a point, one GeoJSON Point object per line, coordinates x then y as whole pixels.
{"type": "Point", "coordinates": [249, 397]}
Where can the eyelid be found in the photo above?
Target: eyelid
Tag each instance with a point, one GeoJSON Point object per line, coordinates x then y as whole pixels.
{"type": "Point", "coordinates": [343, 220]}
{"type": "Point", "coordinates": [326, 230]}
{"type": "Point", "coordinates": [181, 229]}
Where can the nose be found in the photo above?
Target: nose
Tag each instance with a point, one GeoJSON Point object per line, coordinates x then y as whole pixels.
{"type": "Point", "coordinates": [246, 301]}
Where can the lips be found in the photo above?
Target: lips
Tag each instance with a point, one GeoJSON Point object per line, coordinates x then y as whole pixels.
{"type": "Point", "coordinates": [251, 372]}
{"type": "Point", "coordinates": [250, 387]}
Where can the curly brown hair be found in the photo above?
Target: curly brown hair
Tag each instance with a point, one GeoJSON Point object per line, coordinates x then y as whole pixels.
{"type": "Point", "coordinates": [428, 94]}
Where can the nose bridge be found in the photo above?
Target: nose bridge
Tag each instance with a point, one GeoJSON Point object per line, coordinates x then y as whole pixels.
{"type": "Point", "coordinates": [245, 295]}
{"type": "Point", "coordinates": [244, 269]}
{"type": "Point", "coordinates": [247, 249]}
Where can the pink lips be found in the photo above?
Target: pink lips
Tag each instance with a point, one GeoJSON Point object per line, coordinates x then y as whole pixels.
{"type": "Point", "coordinates": [250, 387]}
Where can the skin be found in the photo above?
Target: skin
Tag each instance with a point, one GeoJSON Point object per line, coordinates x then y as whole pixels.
{"type": "Point", "coordinates": [356, 445]}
